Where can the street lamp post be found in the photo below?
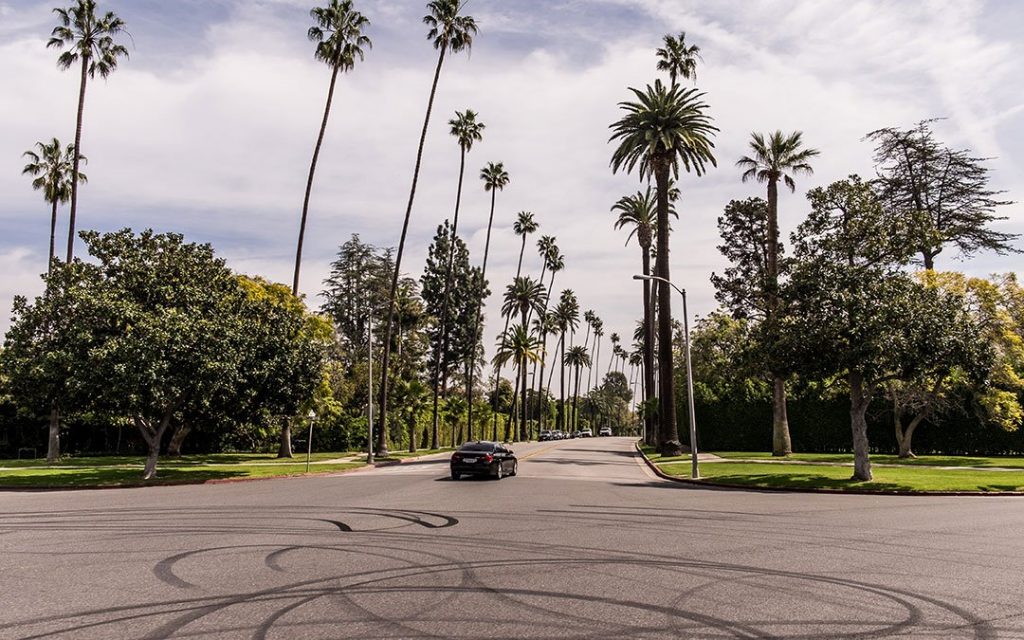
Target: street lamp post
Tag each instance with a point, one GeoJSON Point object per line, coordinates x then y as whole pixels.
{"type": "Point", "coordinates": [369, 379]}
{"type": "Point", "coordinates": [694, 473]}
{"type": "Point", "coordinates": [309, 440]}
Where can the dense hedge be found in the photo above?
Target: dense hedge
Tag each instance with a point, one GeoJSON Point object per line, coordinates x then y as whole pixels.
{"type": "Point", "coordinates": [823, 426]}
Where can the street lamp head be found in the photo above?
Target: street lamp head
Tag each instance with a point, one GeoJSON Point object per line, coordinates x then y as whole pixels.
{"type": "Point", "coordinates": [639, 277]}
{"type": "Point", "coordinates": [312, 415]}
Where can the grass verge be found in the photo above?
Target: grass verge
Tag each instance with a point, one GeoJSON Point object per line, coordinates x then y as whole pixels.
{"type": "Point", "coordinates": [131, 475]}
{"type": "Point", "coordinates": [1006, 462]}
{"type": "Point", "coordinates": [886, 479]}
{"type": "Point", "coordinates": [194, 459]}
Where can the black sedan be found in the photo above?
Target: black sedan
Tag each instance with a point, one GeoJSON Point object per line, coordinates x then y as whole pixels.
{"type": "Point", "coordinates": [484, 458]}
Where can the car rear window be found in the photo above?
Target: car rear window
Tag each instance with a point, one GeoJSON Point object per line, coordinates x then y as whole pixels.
{"type": "Point", "coordinates": [477, 446]}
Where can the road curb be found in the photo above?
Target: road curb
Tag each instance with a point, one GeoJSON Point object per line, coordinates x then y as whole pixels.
{"type": "Point", "coordinates": [861, 492]}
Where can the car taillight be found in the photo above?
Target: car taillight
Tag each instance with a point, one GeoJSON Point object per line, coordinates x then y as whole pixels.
{"type": "Point", "coordinates": [488, 457]}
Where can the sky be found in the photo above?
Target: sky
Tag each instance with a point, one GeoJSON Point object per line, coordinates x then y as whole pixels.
{"type": "Point", "coordinates": [208, 128]}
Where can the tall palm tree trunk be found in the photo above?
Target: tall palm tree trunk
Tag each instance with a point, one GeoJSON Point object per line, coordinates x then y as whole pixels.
{"type": "Point", "coordinates": [669, 445]}
{"type": "Point", "coordinates": [75, 161]}
{"type": "Point", "coordinates": [561, 385]}
{"type": "Point", "coordinates": [382, 439]}
{"type": "Point", "coordinates": [575, 399]}
{"type": "Point", "coordinates": [476, 315]}
{"type": "Point", "coordinates": [309, 180]}
{"type": "Point", "coordinates": [648, 386]}
{"type": "Point", "coordinates": [781, 443]}
{"type": "Point", "coordinates": [53, 236]}
{"type": "Point", "coordinates": [443, 347]}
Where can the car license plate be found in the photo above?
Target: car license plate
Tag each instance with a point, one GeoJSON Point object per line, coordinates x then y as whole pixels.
{"type": "Point", "coordinates": [467, 460]}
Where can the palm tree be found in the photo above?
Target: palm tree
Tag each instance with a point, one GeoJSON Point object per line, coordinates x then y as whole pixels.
{"type": "Point", "coordinates": [639, 212]}
{"type": "Point", "coordinates": [449, 31]}
{"type": "Point", "coordinates": [663, 128]}
{"type": "Point", "coordinates": [553, 262]}
{"type": "Point", "coordinates": [52, 170]}
{"type": "Point", "coordinates": [89, 40]}
{"type": "Point", "coordinates": [576, 358]}
{"type": "Point", "coordinates": [677, 58]}
{"type": "Point", "coordinates": [566, 314]}
{"type": "Point", "coordinates": [523, 296]}
{"type": "Point", "coordinates": [779, 157]}
{"type": "Point", "coordinates": [467, 130]}
{"type": "Point", "coordinates": [521, 347]}
{"type": "Point", "coordinates": [523, 227]}
{"type": "Point", "coordinates": [338, 34]}
{"type": "Point", "coordinates": [495, 179]}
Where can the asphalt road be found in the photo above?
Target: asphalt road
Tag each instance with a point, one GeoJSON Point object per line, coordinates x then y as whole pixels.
{"type": "Point", "coordinates": [584, 543]}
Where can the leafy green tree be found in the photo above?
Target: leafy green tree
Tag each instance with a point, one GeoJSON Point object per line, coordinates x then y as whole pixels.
{"type": "Point", "coordinates": [777, 157]}
{"type": "Point", "coordinates": [449, 31]}
{"type": "Point", "coordinates": [855, 314]}
{"type": "Point", "coordinates": [467, 289]}
{"type": "Point", "coordinates": [663, 129]}
{"type": "Point", "coordinates": [89, 40]}
{"type": "Point", "coordinates": [944, 193]}
{"type": "Point", "coordinates": [49, 342]}
{"type": "Point", "coordinates": [338, 34]}
{"type": "Point", "coordinates": [495, 179]}
{"type": "Point", "coordinates": [678, 59]}
{"type": "Point", "coordinates": [52, 168]}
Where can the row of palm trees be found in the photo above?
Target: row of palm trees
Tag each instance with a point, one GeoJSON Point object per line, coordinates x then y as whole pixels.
{"type": "Point", "coordinates": [664, 128]}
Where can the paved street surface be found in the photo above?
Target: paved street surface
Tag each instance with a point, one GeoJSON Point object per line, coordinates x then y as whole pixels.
{"type": "Point", "coordinates": [584, 543]}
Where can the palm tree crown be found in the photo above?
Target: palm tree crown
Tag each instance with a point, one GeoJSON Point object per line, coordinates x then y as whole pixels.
{"type": "Point", "coordinates": [88, 37]}
{"type": "Point", "coordinates": [522, 295]}
{"type": "Point", "coordinates": [677, 58]}
{"type": "Point", "coordinates": [51, 168]}
{"type": "Point", "coordinates": [780, 157]}
{"type": "Point", "coordinates": [663, 128]}
{"type": "Point", "coordinates": [449, 30]}
{"type": "Point", "coordinates": [518, 345]}
{"type": "Point", "coordinates": [466, 128]}
{"type": "Point", "coordinates": [525, 224]}
{"type": "Point", "coordinates": [577, 357]}
{"type": "Point", "coordinates": [494, 176]}
{"type": "Point", "coordinates": [338, 33]}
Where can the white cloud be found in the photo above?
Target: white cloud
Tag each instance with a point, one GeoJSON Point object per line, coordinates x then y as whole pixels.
{"type": "Point", "coordinates": [218, 144]}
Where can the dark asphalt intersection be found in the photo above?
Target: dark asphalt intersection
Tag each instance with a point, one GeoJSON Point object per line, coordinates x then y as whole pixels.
{"type": "Point", "coordinates": [584, 543]}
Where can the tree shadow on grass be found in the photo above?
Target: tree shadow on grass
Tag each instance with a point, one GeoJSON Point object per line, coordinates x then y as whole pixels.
{"type": "Point", "coordinates": [62, 479]}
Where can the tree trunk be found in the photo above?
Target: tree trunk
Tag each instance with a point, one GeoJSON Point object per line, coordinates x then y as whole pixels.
{"type": "Point", "coordinates": [524, 423]}
{"type": "Point", "coordinates": [519, 270]}
{"type": "Point", "coordinates": [382, 440]}
{"type": "Point", "coordinates": [561, 387]}
{"type": "Point", "coordinates": [177, 439]}
{"type": "Point", "coordinates": [152, 436]}
{"type": "Point", "coordinates": [649, 393]}
{"type": "Point", "coordinates": [53, 237]}
{"type": "Point", "coordinates": [285, 449]}
{"type": "Point", "coordinates": [309, 181]}
{"type": "Point", "coordinates": [904, 437]}
{"type": "Point", "coordinates": [781, 445]}
{"type": "Point", "coordinates": [929, 260]}
{"type": "Point", "coordinates": [75, 161]}
{"type": "Point", "coordinates": [860, 398]}
{"type": "Point", "coordinates": [512, 410]}
{"type": "Point", "coordinates": [669, 445]}
{"type": "Point", "coordinates": [53, 440]}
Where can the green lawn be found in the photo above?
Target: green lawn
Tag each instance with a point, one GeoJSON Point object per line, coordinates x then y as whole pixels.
{"type": "Point", "coordinates": [908, 478]}
{"type": "Point", "coordinates": [195, 459]}
{"type": "Point", "coordinates": [422, 452]}
{"type": "Point", "coordinates": [936, 461]}
{"type": "Point", "coordinates": [167, 473]}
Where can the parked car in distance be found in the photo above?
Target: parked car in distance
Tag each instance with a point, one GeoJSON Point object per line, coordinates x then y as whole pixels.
{"type": "Point", "coordinates": [605, 431]}
{"type": "Point", "coordinates": [558, 434]}
{"type": "Point", "coordinates": [585, 433]}
{"type": "Point", "coordinates": [484, 458]}
{"type": "Point", "coordinates": [544, 435]}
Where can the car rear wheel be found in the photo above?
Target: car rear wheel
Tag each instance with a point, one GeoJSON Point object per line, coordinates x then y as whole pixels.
{"type": "Point", "coordinates": [456, 475]}
{"type": "Point", "coordinates": [500, 472]}
{"type": "Point", "coordinates": [515, 468]}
